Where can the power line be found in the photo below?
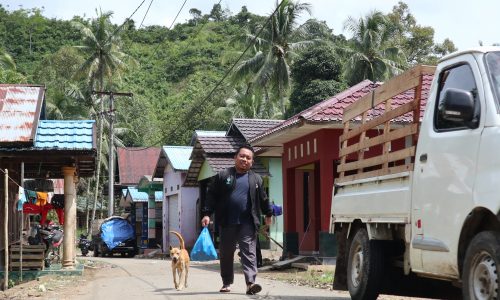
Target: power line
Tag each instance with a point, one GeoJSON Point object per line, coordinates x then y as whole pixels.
{"type": "Point", "coordinates": [195, 108]}
{"type": "Point", "coordinates": [146, 13]}
{"type": "Point", "coordinates": [169, 28]}
{"type": "Point", "coordinates": [126, 20]}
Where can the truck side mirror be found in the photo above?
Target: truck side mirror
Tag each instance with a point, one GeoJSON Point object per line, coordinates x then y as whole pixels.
{"type": "Point", "coordinates": [458, 106]}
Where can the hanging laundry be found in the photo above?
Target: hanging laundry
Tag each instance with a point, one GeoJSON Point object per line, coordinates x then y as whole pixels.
{"type": "Point", "coordinates": [60, 215]}
{"type": "Point", "coordinates": [49, 198]}
{"type": "Point", "coordinates": [41, 198]}
{"type": "Point", "coordinates": [21, 199]}
{"type": "Point", "coordinates": [45, 211]}
{"type": "Point", "coordinates": [31, 196]}
{"type": "Point", "coordinates": [29, 208]}
{"type": "Point", "coordinates": [58, 201]}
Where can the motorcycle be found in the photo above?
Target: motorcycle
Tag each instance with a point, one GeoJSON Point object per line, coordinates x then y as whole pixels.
{"type": "Point", "coordinates": [52, 238]}
{"type": "Point", "coordinates": [84, 244]}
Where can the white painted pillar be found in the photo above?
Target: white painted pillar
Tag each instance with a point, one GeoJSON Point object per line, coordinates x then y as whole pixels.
{"type": "Point", "coordinates": [69, 217]}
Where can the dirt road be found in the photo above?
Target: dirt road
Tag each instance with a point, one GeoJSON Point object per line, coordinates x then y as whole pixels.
{"type": "Point", "coordinates": [132, 278]}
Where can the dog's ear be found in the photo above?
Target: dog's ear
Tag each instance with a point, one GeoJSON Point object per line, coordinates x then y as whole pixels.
{"type": "Point", "coordinates": [170, 248]}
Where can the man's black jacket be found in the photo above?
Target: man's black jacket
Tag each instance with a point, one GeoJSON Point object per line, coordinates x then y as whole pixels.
{"type": "Point", "coordinates": [219, 191]}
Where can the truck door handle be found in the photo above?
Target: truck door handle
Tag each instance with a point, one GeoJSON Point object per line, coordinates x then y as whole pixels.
{"type": "Point", "coordinates": [423, 157]}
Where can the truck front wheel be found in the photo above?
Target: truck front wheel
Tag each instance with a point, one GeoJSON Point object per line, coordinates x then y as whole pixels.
{"type": "Point", "coordinates": [364, 267]}
{"type": "Point", "coordinates": [482, 267]}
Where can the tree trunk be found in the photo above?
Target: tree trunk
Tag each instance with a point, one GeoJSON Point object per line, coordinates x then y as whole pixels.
{"type": "Point", "coordinates": [87, 209]}
{"type": "Point", "coordinates": [99, 152]}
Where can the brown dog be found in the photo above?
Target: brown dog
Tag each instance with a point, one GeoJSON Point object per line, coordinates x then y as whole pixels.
{"type": "Point", "coordinates": [180, 263]}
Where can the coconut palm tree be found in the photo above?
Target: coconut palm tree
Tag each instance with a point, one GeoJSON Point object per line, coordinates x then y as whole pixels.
{"type": "Point", "coordinates": [104, 61]}
{"type": "Point", "coordinates": [245, 104]}
{"type": "Point", "coordinates": [275, 50]}
{"type": "Point", "coordinates": [369, 53]}
{"type": "Point", "coordinates": [6, 61]}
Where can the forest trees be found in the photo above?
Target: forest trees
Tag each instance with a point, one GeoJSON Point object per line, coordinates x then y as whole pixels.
{"type": "Point", "coordinates": [370, 53]}
{"type": "Point", "coordinates": [179, 67]}
{"type": "Point", "coordinates": [268, 70]}
{"type": "Point", "coordinates": [317, 75]}
{"type": "Point", "coordinates": [103, 62]}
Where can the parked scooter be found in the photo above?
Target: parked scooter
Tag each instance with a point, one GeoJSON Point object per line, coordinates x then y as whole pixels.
{"type": "Point", "coordinates": [52, 238]}
{"type": "Point", "coordinates": [84, 244]}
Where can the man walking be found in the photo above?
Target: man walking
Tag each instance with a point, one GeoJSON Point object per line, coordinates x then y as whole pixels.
{"type": "Point", "coordinates": [237, 197]}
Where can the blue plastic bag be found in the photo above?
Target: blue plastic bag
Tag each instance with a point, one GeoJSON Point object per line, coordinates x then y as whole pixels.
{"type": "Point", "coordinates": [277, 210]}
{"type": "Point", "coordinates": [204, 249]}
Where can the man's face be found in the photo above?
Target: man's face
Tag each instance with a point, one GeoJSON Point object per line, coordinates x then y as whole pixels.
{"type": "Point", "coordinates": [243, 160]}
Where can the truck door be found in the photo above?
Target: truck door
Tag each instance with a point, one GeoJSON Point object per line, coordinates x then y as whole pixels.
{"type": "Point", "coordinates": [445, 168]}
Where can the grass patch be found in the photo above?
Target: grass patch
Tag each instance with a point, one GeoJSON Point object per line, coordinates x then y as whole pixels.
{"type": "Point", "coordinates": [316, 279]}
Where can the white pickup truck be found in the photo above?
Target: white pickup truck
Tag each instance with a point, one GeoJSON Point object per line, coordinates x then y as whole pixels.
{"type": "Point", "coordinates": [422, 191]}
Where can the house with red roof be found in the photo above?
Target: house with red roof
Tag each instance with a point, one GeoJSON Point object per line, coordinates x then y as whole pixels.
{"type": "Point", "coordinates": [133, 164]}
{"type": "Point", "coordinates": [309, 146]}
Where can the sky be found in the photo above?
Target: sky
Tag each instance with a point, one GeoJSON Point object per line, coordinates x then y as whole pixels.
{"type": "Point", "coordinates": [465, 22]}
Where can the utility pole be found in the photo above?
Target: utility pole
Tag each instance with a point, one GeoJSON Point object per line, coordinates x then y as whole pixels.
{"type": "Point", "coordinates": [5, 230]}
{"type": "Point", "coordinates": [111, 163]}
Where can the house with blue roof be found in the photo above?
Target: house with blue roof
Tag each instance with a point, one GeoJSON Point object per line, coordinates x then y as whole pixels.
{"type": "Point", "coordinates": [179, 203]}
{"type": "Point", "coordinates": [39, 150]}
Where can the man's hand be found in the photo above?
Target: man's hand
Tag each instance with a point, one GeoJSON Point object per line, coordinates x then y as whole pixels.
{"type": "Point", "coordinates": [268, 221]}
{"type": "Point", "coordinates": [205, 221]}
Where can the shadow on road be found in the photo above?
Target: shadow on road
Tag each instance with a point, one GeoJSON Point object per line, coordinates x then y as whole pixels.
{"type": "Point", "coordinates": [414, 286]}
{"type": "Point", "coordinates": [173, 292]}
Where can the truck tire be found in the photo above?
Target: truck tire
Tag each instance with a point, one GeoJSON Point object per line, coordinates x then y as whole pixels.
{"type": "Point", "coordinates": [364, 267]}
{"type": "Point", "coordinates": [482, 267]}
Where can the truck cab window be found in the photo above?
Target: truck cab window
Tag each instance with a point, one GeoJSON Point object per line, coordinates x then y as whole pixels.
{"type": "Point", "coordinates": [493, 64]}
{"type": "Point", "coordinates": [459, 77]}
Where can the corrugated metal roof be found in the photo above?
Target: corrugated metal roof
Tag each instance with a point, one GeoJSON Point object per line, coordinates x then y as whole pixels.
{"type": "Point", "coordinates": [19, 112]}
{"type": "Point", "coordinates": [143, 197]}
{"type": "Point", "coordinates": [69, 135]}
{"type": "Point", "coordinates": [178, 156]}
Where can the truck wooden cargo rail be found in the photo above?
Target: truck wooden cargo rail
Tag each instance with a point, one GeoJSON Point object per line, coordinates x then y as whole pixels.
{"type": "Point", "coordinates": [357, 122]}
{"type": "Point", "coordinates": [419, 173]}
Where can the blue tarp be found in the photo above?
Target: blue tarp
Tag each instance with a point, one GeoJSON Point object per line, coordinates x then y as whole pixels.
{"type": "Point", "coordinates": [115, 231]}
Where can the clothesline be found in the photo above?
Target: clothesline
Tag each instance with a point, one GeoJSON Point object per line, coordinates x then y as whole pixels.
{"type": "Point", "coordinates": [33, 202]}
{"type": "Point", "coordinates": [15, 182]}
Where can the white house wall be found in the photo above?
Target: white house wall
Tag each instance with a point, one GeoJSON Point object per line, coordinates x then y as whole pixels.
{"type": "Point", "coordinates": [172, 185]}
{"type": "Point", "coordinates": [189, 196]}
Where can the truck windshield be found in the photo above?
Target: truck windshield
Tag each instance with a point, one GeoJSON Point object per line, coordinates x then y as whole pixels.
{"type": "Point", "coordinates": [493, 64]}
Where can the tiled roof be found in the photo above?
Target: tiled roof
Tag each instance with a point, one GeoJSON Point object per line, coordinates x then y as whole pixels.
{"type": "Point", "coordinates": [143, 197]}
{"type": "Point", "coordinates": [220, 163]}
{"type": "Point", "coordinates": [198, 133]}
{"type": "Point", "coordinates": [331, 110]}
{"type": "Point", "coordinates": [249, 128]}
{"type": "Point", "coordinates": [219, 153]}
{"type": "Point", "coordinates": [209, 133]}
{"type": "Point", "coordinates": [133, 163]}
{"type": "Point", "coordinates": [20, 107]}
{"type": "Point", "coordinates": [220, 144]}
{"type": "Point", "coordinates": [67, 135]}
{"type": "Point", "coordinates": [178, 156]}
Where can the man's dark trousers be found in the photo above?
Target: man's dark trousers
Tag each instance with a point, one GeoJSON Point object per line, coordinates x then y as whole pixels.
{"type": "Point", "coordinates": [246, 237]}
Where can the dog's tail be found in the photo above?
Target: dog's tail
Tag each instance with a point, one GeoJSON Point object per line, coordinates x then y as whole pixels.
{"type": "Point", "coordinates": [181, 240]}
